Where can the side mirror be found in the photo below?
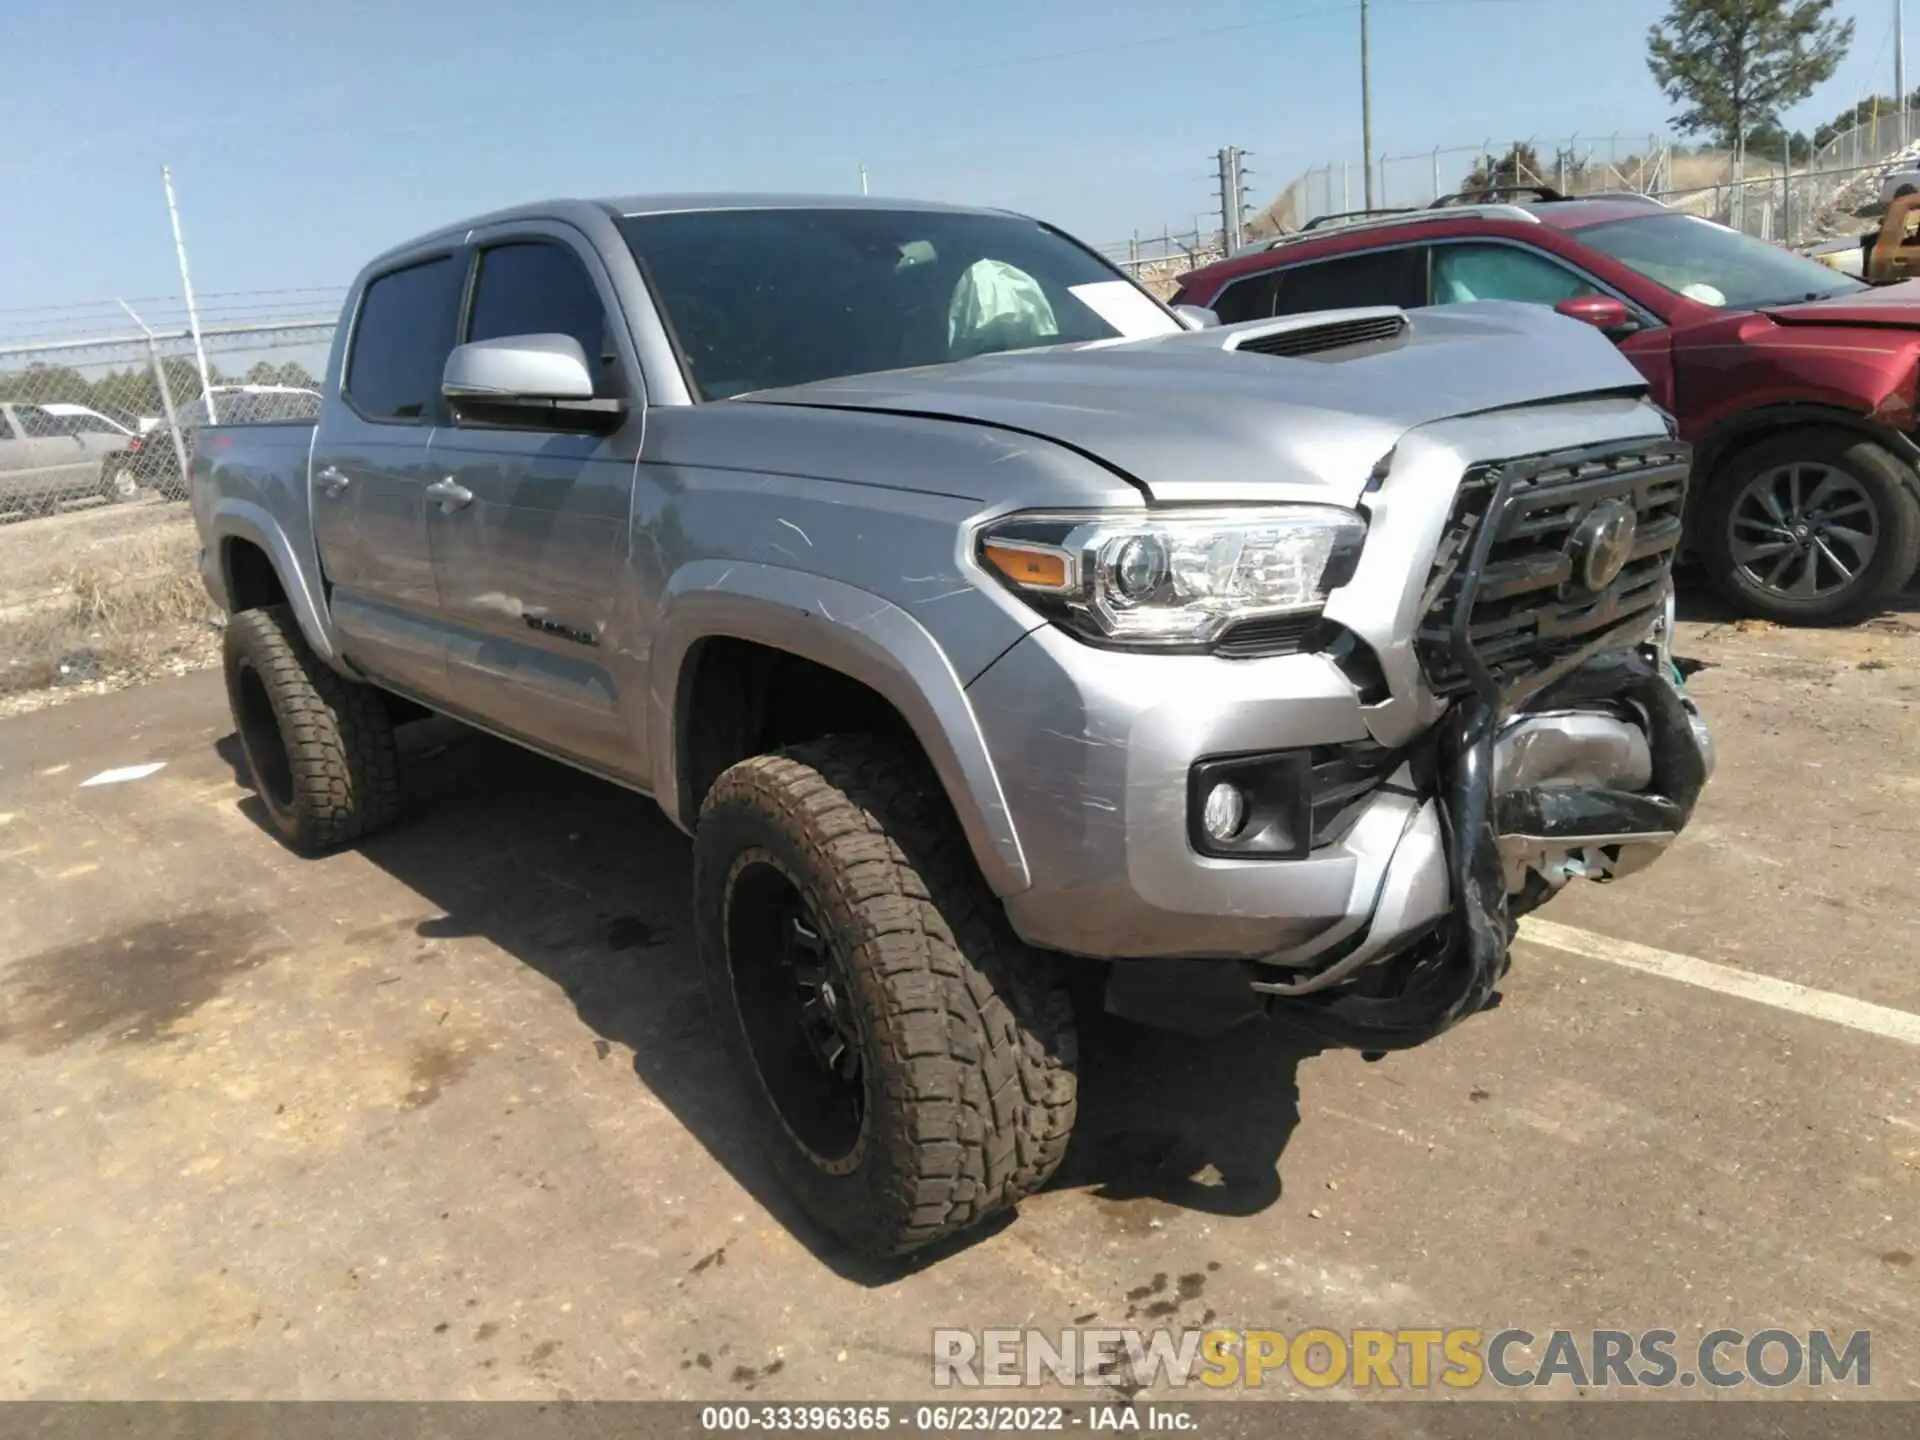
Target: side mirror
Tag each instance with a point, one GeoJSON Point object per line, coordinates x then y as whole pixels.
{"type": "Point", "coordinates": [1196, 317]}
{"type": "Point", "coordinates": [518, 367]}
{"type": "Point", "coordinates": [527, 382]}
{"type": "Point", "coordinates": [1608, 315]}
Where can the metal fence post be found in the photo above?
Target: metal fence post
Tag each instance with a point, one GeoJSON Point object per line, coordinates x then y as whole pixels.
{"type": "Point", "coordinates": [1786, 194]}
{"type": "Point", "coordinates": [166, 391]}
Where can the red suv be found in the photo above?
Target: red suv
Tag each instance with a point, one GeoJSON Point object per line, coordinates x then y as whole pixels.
{"type": "Point", "coordinates": [1796, 384]}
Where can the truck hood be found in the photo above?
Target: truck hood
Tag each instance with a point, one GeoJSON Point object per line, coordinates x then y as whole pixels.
{"type": "Point", "coordinates": [1189, 416]}
{"type": "Point", "coordinates": [1885, 307]}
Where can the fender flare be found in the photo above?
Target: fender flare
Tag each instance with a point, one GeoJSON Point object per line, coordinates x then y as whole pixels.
{"type": "Point", "coordinates": [1736, 430]}
{"type": "Point", "coordinates": [863, 637]}
{"type": "Point", "coordinates": [235, 519]}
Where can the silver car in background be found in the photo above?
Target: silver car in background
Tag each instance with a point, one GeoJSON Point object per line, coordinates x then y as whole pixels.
{"type": "Point", "coordinates": [48, 458]}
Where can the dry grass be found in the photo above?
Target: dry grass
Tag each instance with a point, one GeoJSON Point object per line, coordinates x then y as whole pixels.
{"type": "Point", "coordinates": [101, 605]}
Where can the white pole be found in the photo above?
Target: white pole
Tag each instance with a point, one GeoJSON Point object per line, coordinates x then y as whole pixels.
{"type": "Point", "coordinates": [186, 284]}
{"type": "Point", "coordinates": [1900, 69]}
{"type": "Point", "coordinates": [863, 177]}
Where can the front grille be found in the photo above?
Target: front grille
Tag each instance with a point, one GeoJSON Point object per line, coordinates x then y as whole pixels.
{"type": "Point", "coordinates": [1507, 605]}
{"type": "Point", "coordinates": [1316, 339]}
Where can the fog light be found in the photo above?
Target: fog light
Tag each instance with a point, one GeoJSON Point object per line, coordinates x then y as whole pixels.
{"type": "Point", "coordinates": [1225, 812]}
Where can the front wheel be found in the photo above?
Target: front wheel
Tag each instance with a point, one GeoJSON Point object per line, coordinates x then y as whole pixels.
{"type": "Point", "coordinates": [910, 1061]}
{"type": "Point", "coordinates": [1816, 527]}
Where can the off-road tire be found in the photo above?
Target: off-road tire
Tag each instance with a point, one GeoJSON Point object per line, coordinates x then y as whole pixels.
{"type": "Point", "coordinates": [1882, 476]}
{"type": "Point", "coordinates": [319, 747]}
{"type": "Point", "coordinates": [967, 1035]}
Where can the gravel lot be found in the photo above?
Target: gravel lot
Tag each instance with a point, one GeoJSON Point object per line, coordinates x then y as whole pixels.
{"type": "Point", "coordinates": [441, 1117]}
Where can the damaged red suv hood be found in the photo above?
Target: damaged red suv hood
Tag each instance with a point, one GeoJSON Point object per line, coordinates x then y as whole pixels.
{"type": "Point", "coordinates": [1895, 307]}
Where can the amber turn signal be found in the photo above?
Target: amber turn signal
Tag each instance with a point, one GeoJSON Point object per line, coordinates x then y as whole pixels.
{"type": "Point", "coordinates": [1028, 566]}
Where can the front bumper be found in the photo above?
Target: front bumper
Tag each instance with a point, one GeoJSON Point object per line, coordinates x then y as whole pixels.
{"type": "Point", "coordinates": [1514, 780]}
{"type": "Point", "coordinates": [1625, 758]}
{"type": "Point", "coordinates": [1362, 941]}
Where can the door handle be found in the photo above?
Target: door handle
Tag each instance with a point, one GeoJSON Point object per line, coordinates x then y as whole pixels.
{"type": "Point", "coordinates": [451, 494]}
{"type": "Point", "coordinates": [334, 482]}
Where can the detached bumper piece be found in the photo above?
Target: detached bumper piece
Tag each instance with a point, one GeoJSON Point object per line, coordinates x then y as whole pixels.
{"type": "Point", "coordinates": [1551, 595]}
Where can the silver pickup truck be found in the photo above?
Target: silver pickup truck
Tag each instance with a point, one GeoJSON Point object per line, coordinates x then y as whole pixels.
{"type": "Point", "coordinates": [973, 611]}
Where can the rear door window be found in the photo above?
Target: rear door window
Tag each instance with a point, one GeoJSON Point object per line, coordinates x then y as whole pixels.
{"type": "Point", "coordinates": [90, 425]}
{"type": "Point", "coordinates": [401, 341]}
{"type": "Point", "coordinates": [38, 423]}
{"type": "Point", "coordinates": [1372, 277]}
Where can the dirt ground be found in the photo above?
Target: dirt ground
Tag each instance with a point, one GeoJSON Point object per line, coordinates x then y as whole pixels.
{"type": "Point", "coordinates": [98, 599]}
{"type": "Point", "coordinates": [442, 1117]}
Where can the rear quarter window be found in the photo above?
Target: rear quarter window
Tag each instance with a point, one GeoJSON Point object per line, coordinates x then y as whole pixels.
{"type": "Point", "coordinates": [1369, 277]}
{"type": "Point", "coordinates": [1251, 297]}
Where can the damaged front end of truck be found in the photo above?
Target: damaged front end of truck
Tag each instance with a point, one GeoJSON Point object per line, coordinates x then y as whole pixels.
{"type": "Point", "coordinates": [1569, 748]}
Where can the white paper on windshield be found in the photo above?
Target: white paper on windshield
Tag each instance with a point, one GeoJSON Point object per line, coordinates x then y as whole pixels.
{"type": "Point", "coordinates": [1123, 307]}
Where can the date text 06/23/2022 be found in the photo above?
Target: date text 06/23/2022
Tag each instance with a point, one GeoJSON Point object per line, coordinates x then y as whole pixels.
{"type": "Point", "coordinates": [958, 1419]}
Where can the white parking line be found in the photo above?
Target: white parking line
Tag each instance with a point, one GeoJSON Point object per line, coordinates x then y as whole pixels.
{"type": "Point", "coordinates": [1764, 990]}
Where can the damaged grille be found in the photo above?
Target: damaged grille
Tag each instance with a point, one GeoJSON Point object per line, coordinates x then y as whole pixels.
{"type": "Point", "coordinates": [1345, 778]}
{"type": "Point", "coordinates": [1512, 601]}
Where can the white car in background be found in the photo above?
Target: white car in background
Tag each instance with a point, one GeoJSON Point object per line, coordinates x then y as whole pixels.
{"type": "Point", "coordinates": [88, 421]}
{"type": "Point", "coordinates": [1896, 183]}
{"type": "Point", "coordinates": [48, 458]}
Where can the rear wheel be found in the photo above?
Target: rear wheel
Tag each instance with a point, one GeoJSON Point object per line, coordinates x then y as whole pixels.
{"type": "Point", "coordinates": [910, 1061]}
{"type": "Point", "coordinates": [1816, 527]}
{"type": "Point", "coordinates": [319, 747]}
{"type": "Point", "coordinates": [118, 483]}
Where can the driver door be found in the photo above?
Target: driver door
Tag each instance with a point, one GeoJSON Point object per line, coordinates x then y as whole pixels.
{"type": "Point", "coordinates": [529, 543]}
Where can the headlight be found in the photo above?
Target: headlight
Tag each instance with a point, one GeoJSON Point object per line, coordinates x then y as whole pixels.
{"type": "Point", "coordinates": [1177, 578]}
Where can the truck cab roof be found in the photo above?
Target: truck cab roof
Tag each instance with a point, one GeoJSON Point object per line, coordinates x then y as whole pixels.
{"type": "Point", "coordinates": [585, 209]}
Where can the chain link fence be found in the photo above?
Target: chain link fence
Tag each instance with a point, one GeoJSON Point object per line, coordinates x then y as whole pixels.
{"type": "Point", "coordinates": [109, 419]}
{"type": "Point", "coordinates": [1831, 192]}
{"type": "Point", "coordinates": [1158, 261]}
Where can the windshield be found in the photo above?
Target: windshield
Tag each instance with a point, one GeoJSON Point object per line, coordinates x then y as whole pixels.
{"type": "Point", "coordinates": [758, 299]}
{"type": "Point", "coordinates": [1714, 265]}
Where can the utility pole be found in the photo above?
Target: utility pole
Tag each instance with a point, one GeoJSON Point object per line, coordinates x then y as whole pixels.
{"type": "Point", "coordinates": [1900, 69]}
{"type": "Point", "coordinates": [1233, 197]}
{"type": "Point", "coordinates": [1366, 109]}
{"type": "Point", "coordinates": [186, 284]}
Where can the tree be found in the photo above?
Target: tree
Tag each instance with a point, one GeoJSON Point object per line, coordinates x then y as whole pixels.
{"type": "Point", "coordinates": [1769, 141]}
{"type": "Point", "coordinates": [1733, 65]}
{"type": "Point", "coordinates": [1519, 166]}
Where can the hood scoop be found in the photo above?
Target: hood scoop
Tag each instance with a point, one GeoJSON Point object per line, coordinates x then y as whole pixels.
{"type": "Point", "coordinates": [1317, 334]}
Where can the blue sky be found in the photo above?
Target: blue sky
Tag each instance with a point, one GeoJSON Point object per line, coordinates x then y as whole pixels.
{"type": "Point", "coordinates": [304, 136]}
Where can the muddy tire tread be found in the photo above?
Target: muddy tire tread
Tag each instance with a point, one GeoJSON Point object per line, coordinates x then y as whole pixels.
{"type": "Point", "coordinates": [339, 737]}
{"type": "Point", "coordinates": [977, 1051]}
